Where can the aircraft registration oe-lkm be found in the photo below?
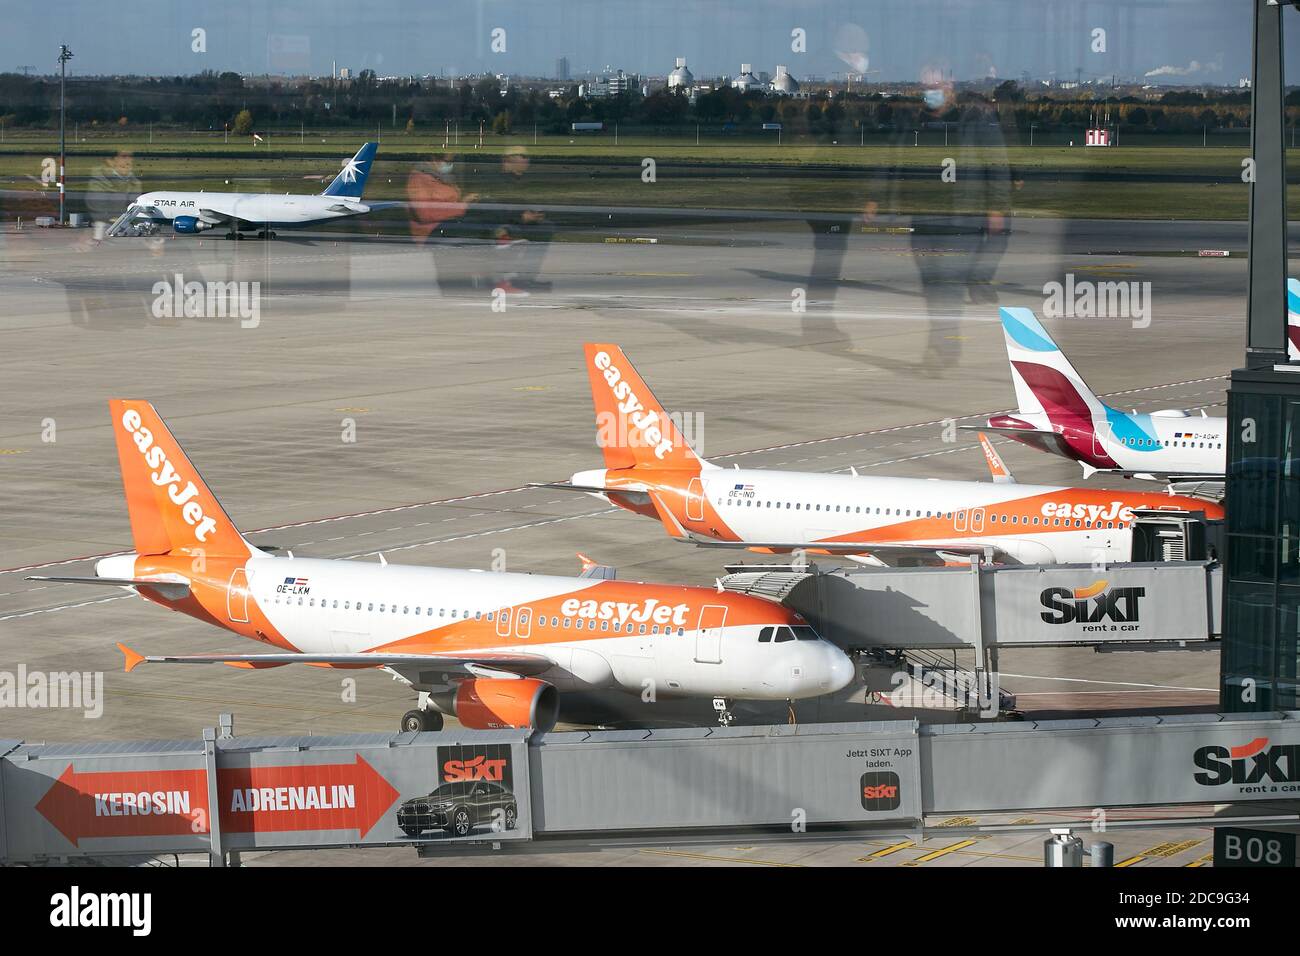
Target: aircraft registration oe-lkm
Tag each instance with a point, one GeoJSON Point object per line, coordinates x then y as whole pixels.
{"type": "Point", "coordinates": [494, 649]}
{"type": "Point", "coordinates": [651, 470]}
{"type": "Point", "coordinates": [193, 212]}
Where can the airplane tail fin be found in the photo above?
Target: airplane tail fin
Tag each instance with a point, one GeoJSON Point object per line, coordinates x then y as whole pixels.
{"type": "Point", "coordinates": [170, 507]}
{"type": "Point", "coordinates": [350, 183]}
{"type": "Point", "coordinates": [632, 428]}
{"type": "Point", "coordinates": [1293, 320]}
{"type": "Point", "coordinates": [1045, 380]}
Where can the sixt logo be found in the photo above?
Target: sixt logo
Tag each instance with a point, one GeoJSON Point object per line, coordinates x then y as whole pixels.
{"type": "Point", "coordinates": [649, 433]}
{"type": "Point", "coordinates": [1092, 605]}
{"type": "Point", "coordinates": [165, 474]}
{"type": "Point", "coordinates": [476, 768]}
{"type": "Point", "coordinates": [1249, 763]}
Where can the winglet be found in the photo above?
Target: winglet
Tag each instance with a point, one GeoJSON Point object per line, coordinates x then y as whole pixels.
{"type": "Point", "coordinates": [997, 468]}
{"type": "Point", "coordinates": [586, 562]}
{"type": "Point", "coordinates": [132, 658]}
{"type": "Point", "coordinates": [1088, 470]}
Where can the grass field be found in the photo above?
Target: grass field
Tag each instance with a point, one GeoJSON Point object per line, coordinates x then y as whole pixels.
{"type": "Point", "coordinates": [741, 172]}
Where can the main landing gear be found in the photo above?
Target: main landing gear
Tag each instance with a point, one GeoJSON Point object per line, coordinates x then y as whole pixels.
{"type": "Point", "coordinates": [414, 721]}
{"type": "Point", "coordinates": [722, 707]}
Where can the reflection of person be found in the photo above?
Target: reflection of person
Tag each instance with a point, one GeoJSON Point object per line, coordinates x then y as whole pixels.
{"type": "Point", "coordinates": [434, 199]}
{"type": "Point", "coordinates": [960, 239]}
{"type": "Point", "coordinates": [522, 233]}
{"type": "Point", "coordinates": [104, 198]}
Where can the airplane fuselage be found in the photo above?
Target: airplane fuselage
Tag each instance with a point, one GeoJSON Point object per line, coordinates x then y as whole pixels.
{"type": "Point", "coordinates": [1029, 523]}
{"type": "Point", "coordinates": [250, 210]}
{"type": "Point", "coordinates": [680, 641]}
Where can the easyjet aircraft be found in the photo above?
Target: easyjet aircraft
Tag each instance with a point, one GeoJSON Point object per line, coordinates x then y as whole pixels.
{"type": "Point", "coordinates": [1058, 413]}
{"type": "Point", "coordinates": [650, 469]}
{"type": "Point", "coordinates": [494, 649]}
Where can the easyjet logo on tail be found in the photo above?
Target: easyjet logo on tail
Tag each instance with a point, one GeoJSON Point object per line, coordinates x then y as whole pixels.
{"type": "Point", "coordinates": [644, 421]}
{"type": "Point", "coordinates": [164, 474]}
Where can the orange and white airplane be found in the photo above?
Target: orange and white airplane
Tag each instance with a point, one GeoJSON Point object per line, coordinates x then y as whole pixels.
{"type": "Point", "coordinates": [650, 469]}
{"type": "Point", "coordinates": [494, 649]}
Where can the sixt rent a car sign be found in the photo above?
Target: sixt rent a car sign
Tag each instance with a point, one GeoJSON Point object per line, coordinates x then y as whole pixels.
{"type": "Point", "coordinates": [1098, 607]}
{"type": "Point", "coordinates": [1257, 766]}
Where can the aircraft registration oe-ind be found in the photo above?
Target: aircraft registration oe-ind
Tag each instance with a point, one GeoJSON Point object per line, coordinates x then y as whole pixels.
{"type": "Point", "coordinates": [193, 212]}
{"type": "Point", "coordinates": [1058, 413]}
{"type": "Point", "coordinates": [494, 649]}
{"type": "Point", "coordinates": [651, 470]}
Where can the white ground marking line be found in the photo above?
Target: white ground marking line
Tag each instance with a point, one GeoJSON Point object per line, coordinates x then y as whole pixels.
{"type": "Point", "coordinates": [474, 534]}
{"type": "Point", "coordinates": [65, 607]}
{"type": "Point", "coordinates": [506, 491]}
{"type": "Point", "coordinates": [1112, 683]}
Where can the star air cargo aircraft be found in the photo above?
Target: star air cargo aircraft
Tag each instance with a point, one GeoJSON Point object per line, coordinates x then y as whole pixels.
{"type": "Point", "coordinates": [193, 212]}
{"type": "Point", "coordinates": [1058, 413]}
{"type": "Point", "coordinates": [650, 469]}
{"type": "Point", "coordinates": [494, 649]}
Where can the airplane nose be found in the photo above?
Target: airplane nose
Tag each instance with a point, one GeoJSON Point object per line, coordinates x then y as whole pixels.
{"type": "Point", "coordinates": [840, 669]}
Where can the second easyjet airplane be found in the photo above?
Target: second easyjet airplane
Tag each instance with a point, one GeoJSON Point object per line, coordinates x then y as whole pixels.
{"type": "Point", "coordinates": [650, 469]}
{"type": "Point", "coordinates": [490, 648]}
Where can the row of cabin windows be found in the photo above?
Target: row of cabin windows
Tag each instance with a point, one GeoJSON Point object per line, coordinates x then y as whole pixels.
{"type": "Point", "coordinates": [916, 513]}
{"type": "Point", "coordinates": [557, 622]}
{"type": "Point", "coordinates": [1152, 442]}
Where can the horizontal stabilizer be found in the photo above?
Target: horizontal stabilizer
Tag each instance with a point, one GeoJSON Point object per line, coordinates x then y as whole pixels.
{"type": "Point", "coordinates": [631, 496]}
{"type": "Point", "coordinates": [171, 590]}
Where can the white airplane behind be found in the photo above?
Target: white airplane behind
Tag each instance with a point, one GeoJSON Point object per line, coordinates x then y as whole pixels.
{"type": "Point", "coordinates": [1057, 412]}
{"type": "Point", "coordinates": [651, 470]}
{"type": "Point", "coordinates": [193, 212]}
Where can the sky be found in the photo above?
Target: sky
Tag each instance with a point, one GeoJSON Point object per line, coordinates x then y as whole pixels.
{"type": "Point", "coordinates": [1163, 41]}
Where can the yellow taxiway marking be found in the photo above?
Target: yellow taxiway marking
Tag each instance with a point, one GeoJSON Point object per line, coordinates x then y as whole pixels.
{"type": "Point", "coordinates": [1171, 849]}
{"type": "Point", "coordinates": [886, 851]}
{"type": "Point", "coordinates": [718, 859]}
{"type": "Point", "coordinates": [12, 451]}
{"type": "Point", "coordinates": [935, 854]}
{"type": "Point", "coordinates": [959, 822]}
{"type": "Point", "coordinates": [1130, 861]}
{"type": "Point", "coordinates": [1201, 861]}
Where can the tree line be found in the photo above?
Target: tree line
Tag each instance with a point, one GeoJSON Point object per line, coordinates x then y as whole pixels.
{"type": "Point", "coordinates": [216, 101]}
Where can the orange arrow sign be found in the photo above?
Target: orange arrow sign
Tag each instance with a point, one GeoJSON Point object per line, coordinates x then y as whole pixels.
{"type": "Point", "coordinates": [347, 796]}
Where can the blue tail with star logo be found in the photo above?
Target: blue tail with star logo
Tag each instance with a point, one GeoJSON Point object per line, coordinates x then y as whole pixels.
{"type": "Point", "coordinates": [351, 180]}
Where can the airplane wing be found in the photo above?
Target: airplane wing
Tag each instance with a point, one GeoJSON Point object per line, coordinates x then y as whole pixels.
{"type": "Point", "coordinates": [1039, 438]}
{"type": "Point", "coordinates": [171, 589]}
{"type": "Point", "coordinates": [214, 218]}
{"type": "Point", "coordinates": [472, 665]}
{"type": "Point", "coordinates": [593, 569]}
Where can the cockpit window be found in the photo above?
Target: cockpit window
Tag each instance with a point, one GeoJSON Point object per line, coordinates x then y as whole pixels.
{"type": "Point", "coordinates": [765, 635]}
{"type": "Point", "coordinates": [784, 634]}
{"type": "Point", "coordinates": [804, 633]}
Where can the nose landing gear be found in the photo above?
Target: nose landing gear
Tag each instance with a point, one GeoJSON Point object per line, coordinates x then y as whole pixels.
{"type": "Point", "coordinates": [722, 707]}
{"type": "Point", "coordinates": [414, 721]}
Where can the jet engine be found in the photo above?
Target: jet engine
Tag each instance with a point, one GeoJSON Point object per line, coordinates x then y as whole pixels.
{"type": "Point", "coordinates": [189, 224]}
{"type": "Point", "coordinates": [500, 703]}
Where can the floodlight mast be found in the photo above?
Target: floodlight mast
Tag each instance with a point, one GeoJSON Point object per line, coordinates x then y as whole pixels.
{"type": "Point", "coordinates": [64, 56]}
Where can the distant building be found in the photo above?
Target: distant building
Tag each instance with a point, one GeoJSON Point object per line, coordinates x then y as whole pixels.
{"type": "Point", "coordinates": [783, 83]}
{"type": "Point", "coordinates": [611, 84]}
{"type": "Point", "coordinates": [747, 82]}
{"type": "Point", "coordinates": [681, 78]}
{"type": "Point", "coordinates": [562, 69]}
